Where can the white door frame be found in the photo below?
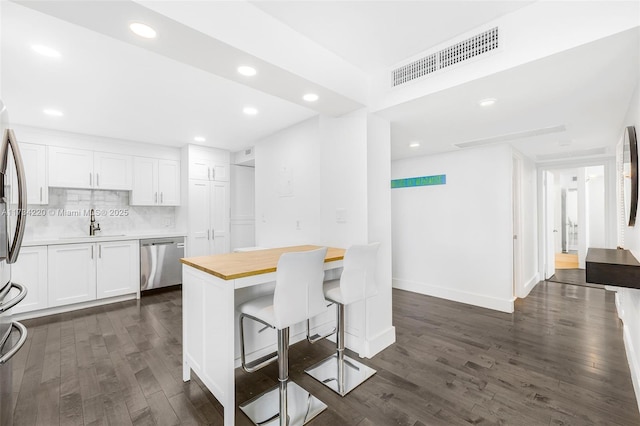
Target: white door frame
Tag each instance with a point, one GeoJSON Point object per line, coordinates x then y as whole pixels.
{"type": "Point", "coordinates": [609, 164]}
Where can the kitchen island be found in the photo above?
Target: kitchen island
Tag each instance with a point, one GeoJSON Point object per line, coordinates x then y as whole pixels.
{"type": "Point", "coordinates": [212, 287]}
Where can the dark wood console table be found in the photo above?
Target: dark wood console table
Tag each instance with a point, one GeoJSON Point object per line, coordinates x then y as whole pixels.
{"type": "Point", "coordinates": [613, 267]}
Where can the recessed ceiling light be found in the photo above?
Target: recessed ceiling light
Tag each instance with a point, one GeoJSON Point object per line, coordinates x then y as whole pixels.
{"type": "Point", "coordinates": [250, 110]}
{"type": "Point", "coordinates": [247, 70]}
{"type": "Point", "coordinates": [142, 30]}
{"type": "Point", "coordinates": [310, 97]}
{"type": "Point", "coordinates": [45, 51]}
{"type": "Point", "coordinates": [53, 112]}
{"type": "Point", "coordinates": [199, 139]}
{"type": "Point", "coordinates": [487, 102]}
{"type": "Point", "coordinates": [414, 144]}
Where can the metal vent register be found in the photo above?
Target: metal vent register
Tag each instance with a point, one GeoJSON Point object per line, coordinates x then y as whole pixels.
{"type": "Point", "coordinates": [459, 52]}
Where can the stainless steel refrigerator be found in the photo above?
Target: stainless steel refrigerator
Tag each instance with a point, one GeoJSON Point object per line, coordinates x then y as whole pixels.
{"type": "Point", "coordinates": [12, 224]}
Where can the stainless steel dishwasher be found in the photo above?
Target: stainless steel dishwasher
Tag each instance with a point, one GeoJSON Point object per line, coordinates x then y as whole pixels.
{"type": "Point", "coordinates": [160, 262]}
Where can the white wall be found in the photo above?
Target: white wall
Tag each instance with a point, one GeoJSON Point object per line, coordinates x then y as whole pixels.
{"type": "Point", "coordinates": [286, 217]}
{"type": "Point", "coordinates": [628, 300]}
{"type": "Point", "coordinates": [454, 241]}
{"type": "Point", "coordinates": [344, 159]}
{"type": "Point", "coordinates": [242, 219]}
{"type": "Point", "coordinates": [340, 173]}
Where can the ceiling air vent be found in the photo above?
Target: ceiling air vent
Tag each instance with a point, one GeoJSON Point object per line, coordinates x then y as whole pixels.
{"type": "Point", "coordinates": [459, 52]}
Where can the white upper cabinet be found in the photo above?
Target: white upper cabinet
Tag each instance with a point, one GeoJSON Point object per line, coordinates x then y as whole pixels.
{"type": "Point", "coordinates": [34, 158]}
{"type": "Point", "coordinates": [78, 168]}
{"type": "Point", "coordinates": [209, 164]}
{"type": "Point", "coordinates": [145, 182]}
{"type": "Point", "coordinates": [169, 182]}
{"type": "Point", "coordinates": [155, 182]}
{"type": "Point", "coordinates": [112, 171]}
{"type": "Point", "coordinates": [70, 168]}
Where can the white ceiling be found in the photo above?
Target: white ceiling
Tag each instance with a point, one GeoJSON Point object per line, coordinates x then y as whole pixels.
{"type": "Point", "coordinates": [109, 83]}
{"type": "Point", "coordinates": [586, 89]}
{"type": "Point", "coordinates": [111, 88]}
{"type": "Point", "coordinates": [376, 34]}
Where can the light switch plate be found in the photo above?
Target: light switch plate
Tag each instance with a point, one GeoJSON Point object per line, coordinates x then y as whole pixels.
{"type": "Point", "coordinates": [341, 215]}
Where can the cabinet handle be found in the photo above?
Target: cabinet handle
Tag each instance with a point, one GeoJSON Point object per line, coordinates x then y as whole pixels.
{"type": "Point", "coordinates": [92, 252]}
{"type": "Point", "coordinates": [97, 179]}
{"type": "Point", "coordinates": [214, 173]}
{"type": "Point", "coordinates": [208, 238]}
{"type": "Point", "coordinates": [156, 198]}
{"type": "Point", "coordinates": [90, 179]}
{"type": "Point", "coordinates": [100, 251]}
{"type": "Point", "coordinates": [161, 197]}
{"type": "Point", "coordinates": [40, 194]}
{"type": "Point", "coordinates": [209, 173]}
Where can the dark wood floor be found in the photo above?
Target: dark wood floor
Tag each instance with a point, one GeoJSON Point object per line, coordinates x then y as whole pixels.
{"type": "Point", "coordinates": [573, 276]}
{"type": "Point", "coordinates": [558, 360]}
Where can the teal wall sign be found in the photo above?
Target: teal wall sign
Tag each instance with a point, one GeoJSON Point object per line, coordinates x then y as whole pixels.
{"type": "Point", "coordinates": [419, 181]}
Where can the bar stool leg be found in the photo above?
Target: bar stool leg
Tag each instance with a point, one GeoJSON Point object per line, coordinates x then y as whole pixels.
{"type": "Point", "coordinates": [339, 372]}
{"type": "Point", "coordinates": [283, 373]}
{"type": "Point", "coordinates": [286, 404]}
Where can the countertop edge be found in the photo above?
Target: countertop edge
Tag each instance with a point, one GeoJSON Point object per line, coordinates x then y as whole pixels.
{"type": "Point", "coordinates": [101, 238]}
{"type": "Point", "coordinates": [231, 277]}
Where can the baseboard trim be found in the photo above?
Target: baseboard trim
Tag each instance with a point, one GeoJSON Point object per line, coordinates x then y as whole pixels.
{"type": "Point", "coordinates": [632, 358]}
{"type": "Point", "coordinates": [379, 342]}
{"type": "Point", "coordinates": [73, 307]}
{"type": "Point", "coordinates": [530, 285]}
{"type": "Point", "coordinates": [503, 305]}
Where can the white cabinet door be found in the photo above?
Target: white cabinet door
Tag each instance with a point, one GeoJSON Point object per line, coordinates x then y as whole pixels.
{"type": "Point", "coordinates": [219, 211]}
{"type": "Point", "coordinates": [199, 168]}
{"type": "Point", "coordinates": [199, 229]}
{"type": "Point", "coordinates": [72, 273]}
{"type": "Point", "coordinates": [112, 171]}
{"type": "Point", "coordinates": [31, 271]}
{"type": "Point", "coordinates": [145, 182]}
{"type": "Point", "coordinates": [169, 182]}
{"type": "Point", "coordinates": [118, 268]}
{"type": "Point", "coordinates": [34, 158]}
{"type": "Point", "coordinates": [221, 172]}
{"type": "Point", "coordinates": [70, 168]}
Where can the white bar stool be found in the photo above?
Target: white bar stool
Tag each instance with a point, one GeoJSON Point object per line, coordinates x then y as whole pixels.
{"type": "Point", "coordinates": [339, 372]}
{"type": "Point", "coordinates": [298, 296]}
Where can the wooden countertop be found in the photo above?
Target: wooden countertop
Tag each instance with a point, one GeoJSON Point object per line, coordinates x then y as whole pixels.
{"type": "Point", "coordinates": [231, 266]}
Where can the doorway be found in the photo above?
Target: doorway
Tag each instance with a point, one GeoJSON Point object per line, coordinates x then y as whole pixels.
{"type": "Point", "coordinates": [576, 211]}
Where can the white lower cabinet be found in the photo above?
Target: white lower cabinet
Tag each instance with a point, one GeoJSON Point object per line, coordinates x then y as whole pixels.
{"type": "Point", "coordinates": [90, 271]}
{"type": "Point", "coordinates": [118, 268]}
{"type": "Point", "coordinates": [31, 271]}
{"type": "Point", "coordinates": [72, 274]}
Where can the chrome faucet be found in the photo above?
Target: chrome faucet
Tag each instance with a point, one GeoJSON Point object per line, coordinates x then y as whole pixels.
{"type": "Point", "coordinates": [93, 225]}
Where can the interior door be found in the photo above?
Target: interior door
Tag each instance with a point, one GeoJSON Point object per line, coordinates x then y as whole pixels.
{"type": "Point", "coordinates": [549, 224]}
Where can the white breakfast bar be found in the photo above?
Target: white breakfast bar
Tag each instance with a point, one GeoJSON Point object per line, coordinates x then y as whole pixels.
{"type": "Point", "coordinates": [212, 287]}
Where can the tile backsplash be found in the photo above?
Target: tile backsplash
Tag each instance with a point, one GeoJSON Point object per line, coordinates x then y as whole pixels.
{"type": "Point", "coordinates": [67, 214]}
